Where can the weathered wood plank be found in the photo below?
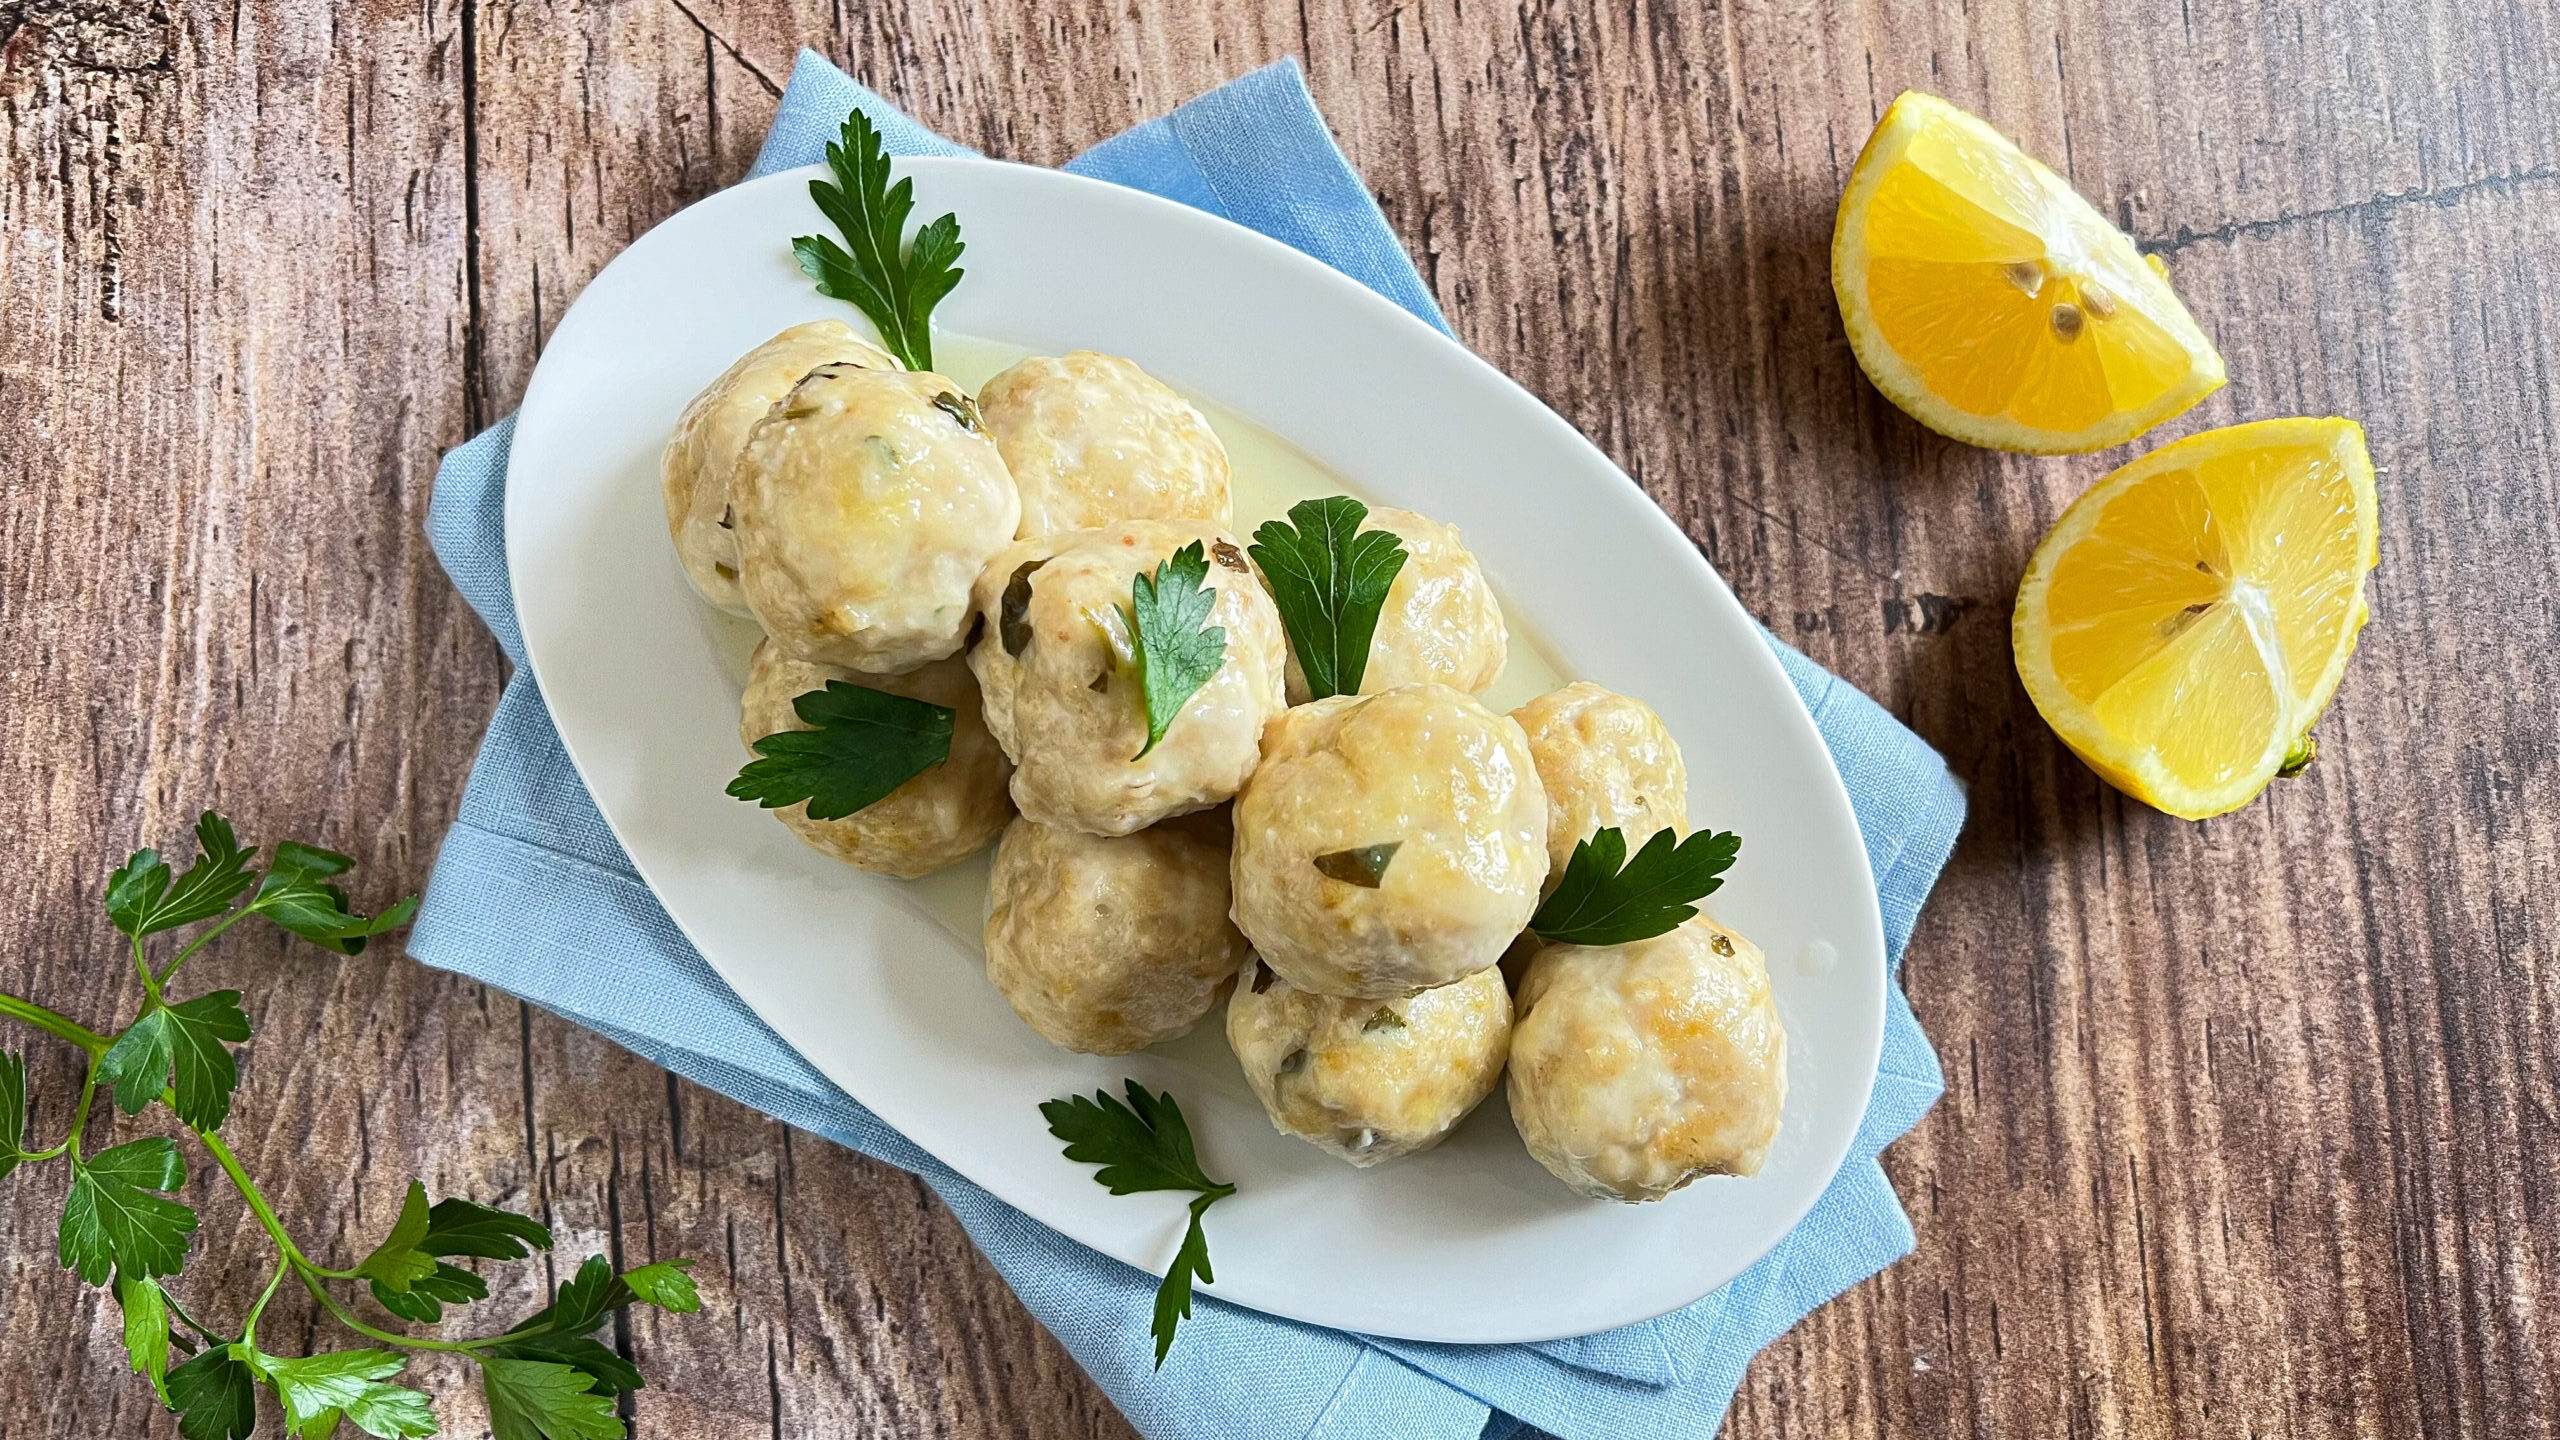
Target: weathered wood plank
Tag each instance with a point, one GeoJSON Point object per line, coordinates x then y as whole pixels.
{"type": "Point", "coordinates": [2249, 1123]}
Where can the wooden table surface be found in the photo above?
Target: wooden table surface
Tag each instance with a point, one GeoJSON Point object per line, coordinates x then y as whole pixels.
{"type": "Point", "coordinates": [2250, 1127]}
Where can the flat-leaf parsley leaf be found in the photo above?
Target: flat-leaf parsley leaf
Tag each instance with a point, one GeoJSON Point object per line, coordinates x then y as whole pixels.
{"type": "Point", "coordinates": [1145, 1145]}
{"type": "Point", "coordinates": [142, 900]}
{"type": "Point", "coordinates": [1329, 580]}
{"type": "Point", "coordinates": [893, 282]}
{"type": "Point", "coordinates": [13, 1111]}
{"type": "Point", "coordinates": [1178, 649]}
{"type": "Point", "coordinates": [216, 1396]}
{"type": "Point", "coordinates": [192, 1038]}
{"type": "Point", "coordinates": [112, 1221]}
{"type": "Point", "coordinates": [1598, 903]}
{"type": "Point", "coordinates": [862, 744]}
{"type": "Point", "coordinates": [541, 1400]}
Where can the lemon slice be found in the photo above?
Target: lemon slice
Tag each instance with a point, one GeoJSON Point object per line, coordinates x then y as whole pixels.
{"type": "Point", "coordinates": [1996, 306]}
{"type": "Point", "coordinates": [2187, 620]}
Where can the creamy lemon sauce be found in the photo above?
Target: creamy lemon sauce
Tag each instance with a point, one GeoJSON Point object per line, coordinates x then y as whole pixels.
{"type": "Point", "coordinates": [1270, 476]}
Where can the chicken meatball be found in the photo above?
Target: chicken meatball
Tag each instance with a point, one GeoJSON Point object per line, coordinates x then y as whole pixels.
{"type": "Point", "coordinates": [866, 503]}
{"type": "Point", "coordinates": [1065, 696]}
{"type": "Point", "coordinates": [1440, 625]}
{"type": "Point", "coordinates": [942, 816]}
{"type": "Point", "coordinates": [1369, 1080]}
{"type": "Point", "coordinates": [1637, 1068]}
{"type": "Point", "coordinates": [695, 469]}
{"type": "Point", "coordinates": [1606, 761]}
{"type": "Point", "coordinates": [1107, 944]}
{"type": "Point", "coordinates": [1389, 843]}
{"type": "Point", "coordinates": [1092, 439]}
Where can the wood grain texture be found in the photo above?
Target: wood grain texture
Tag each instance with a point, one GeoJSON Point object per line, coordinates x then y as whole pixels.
{"type": "Point", "coordinates": [2251, 1125]}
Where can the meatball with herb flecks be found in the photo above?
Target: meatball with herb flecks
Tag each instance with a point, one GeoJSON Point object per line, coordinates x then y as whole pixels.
{"type": "Point", "coordinates": [1637, 1068]}
{"type": "Point", "coordinates": [1063, 671]}
{"type": "Point", "coordinates": [695, 469]}
{"type": "Point", "coordinates": [938, 818]}
{"type": "Point", "coordinates": [1107, 944]}
{"type": "Point", "coordinates": [866, 503]}
{"type": "Point", "coordinates": [1369, 1080]}
{"type": "Point", "coordinates": [1607, 762]}
{"type": "Point", "coordinates": [1092, 439]}
{"type": "Point", "coordinates": [1389, 843]}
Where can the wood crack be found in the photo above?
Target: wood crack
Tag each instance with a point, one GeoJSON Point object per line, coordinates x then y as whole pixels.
{"type": "Point", "coordinates": [2376, 206]}
{"type": "Point", "coordinates": [716, 38]}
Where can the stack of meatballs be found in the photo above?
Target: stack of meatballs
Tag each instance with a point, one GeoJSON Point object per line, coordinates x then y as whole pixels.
{"type": "Point", "coordinates": [1352, 876]}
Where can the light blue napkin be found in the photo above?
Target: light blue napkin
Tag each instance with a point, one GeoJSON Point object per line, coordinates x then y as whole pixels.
{"type": "Point", "coordinates": [532, 894]}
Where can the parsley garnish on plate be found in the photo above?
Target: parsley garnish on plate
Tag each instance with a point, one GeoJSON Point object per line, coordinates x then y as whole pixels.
{"type": "Point", "coordinates": [1145, 1145]}
{"type": "Point", "coordinates": [1600, 903]}
{"type": "Point", "coordinates": [895, 283]}
{"type": "Point", "coordinates": [864, 744]}
{"type": "Point", "coordinates": [1329, 580]}
{"type": "Point", "coordinates": [1178, 649]}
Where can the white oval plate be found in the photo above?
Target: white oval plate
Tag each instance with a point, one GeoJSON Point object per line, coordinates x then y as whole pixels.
{"type": "Point", "coordinates": [1472, 1242]}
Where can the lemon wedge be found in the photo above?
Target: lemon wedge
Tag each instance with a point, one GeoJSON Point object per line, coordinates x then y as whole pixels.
{"type": "Point", "coordinates": [1996, 306]}
{"type": "Point", "coordinates": [2185, 622]}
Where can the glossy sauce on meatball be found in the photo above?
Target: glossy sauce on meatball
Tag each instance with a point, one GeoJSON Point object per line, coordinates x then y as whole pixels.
{"type": "Point", "coordinates": [1637, 1068]}
{"type": "Point", "coordinates": [1606, 761]}
{"type": "Point", "coordinates": [1369, 1080]}
{"type": "Point", "coordinates": [940, 817]}
{"type": "Point", "coordinates": [1389, 843]}
{"type": "Point", "coordinates": [1092, 439]}
{"type": "Point", "coordinates": [1057, 660]}
{"type": "Point", "coordinates": [1107, 944]}
{"type": "Point", "coordinates": [694, 472]}
{"type": "Point", "coordinates": [866, 503]}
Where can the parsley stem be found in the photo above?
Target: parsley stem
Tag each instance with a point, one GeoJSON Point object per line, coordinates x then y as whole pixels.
{"type": "Point", "coordinates": [142, 967]}
{"type": "Point", "coordinates": [249, 1191]}
{"type": "Point", "coordinates": [346, 1317]}
{"type": "Point", "coordinates": [192, 1322]}
{"type": "Point", "coordinates": [249, 1327]}
{"type": "Point", "coordinates": [59, 1026]}
{"type": "Point", "coordinates": [80, 1115]}
{"type": "Point", "coordinates": [153, 984]}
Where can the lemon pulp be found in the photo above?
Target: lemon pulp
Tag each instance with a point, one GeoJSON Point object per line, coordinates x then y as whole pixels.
{"type": "Point", "coordinates": [2188, 619]}
{"type": "Point", "coordinates": [1994, 304]}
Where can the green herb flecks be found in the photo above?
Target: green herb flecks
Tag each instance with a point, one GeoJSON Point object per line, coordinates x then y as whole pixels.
{"type": "Point", "coordinates": [1145, 1145]}
{"type": "Point", "coordinates": [1013, 611]}
{"type": "Point", "coordinates": [1606, 899]}
{"type": "Point", "coordinates": [1365, 867]}
{"type": "Point", "coordinates": [1177, 648]}
{"type": "Point", "coordinates": [862, 744]}
{"type": "Point", "coordinates": [961, 409]}
{"type": "Point", "coordinates": [1329, 580]}
{"type": "Point", "coordinates": [895, 282]}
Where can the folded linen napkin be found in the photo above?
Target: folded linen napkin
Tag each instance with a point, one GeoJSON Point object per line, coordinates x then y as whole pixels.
{"type": "Point", "coordinates": [581, 936]}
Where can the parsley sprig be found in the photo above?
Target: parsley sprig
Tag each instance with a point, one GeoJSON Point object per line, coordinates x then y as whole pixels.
{"type": "Point", "coordinates": [861, 745]}
{"type": "Point", "coordinates": [1145, 1145]}
{"type": "Point", "coordinates": [546, 1378]}
{"type": "Point", "coordinates": [1600, 903]}
{"type": "Point", "coordinates": [1329, 580]}
{"type": "Point", "coordinates": [1178, 649]}
{"type": "Point", "coordinates": [894, 282]}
